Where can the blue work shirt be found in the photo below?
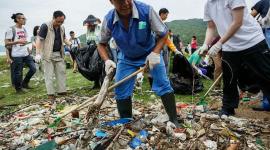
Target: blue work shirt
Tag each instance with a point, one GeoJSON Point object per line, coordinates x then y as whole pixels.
{"type": "Point", "coordinates": [138, 42]}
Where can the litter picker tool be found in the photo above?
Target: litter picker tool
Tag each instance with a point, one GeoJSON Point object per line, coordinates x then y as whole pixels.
{"type": "Point", "coordinates": [205, 103]}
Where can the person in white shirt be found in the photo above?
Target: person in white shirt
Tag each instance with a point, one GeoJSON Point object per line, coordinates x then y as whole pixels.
{"type": "Point", "coordinates": [16, 40]}
{"type": "Point", "coordinates": [242, 41]}
{"type": "Point", "coordinates": [75, 43]}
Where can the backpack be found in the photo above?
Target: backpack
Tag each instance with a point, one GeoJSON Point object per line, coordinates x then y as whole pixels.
{"type": "Point", "coordinates": [9, 47]}
{"type": "Point", "coordinates": [75, 40]}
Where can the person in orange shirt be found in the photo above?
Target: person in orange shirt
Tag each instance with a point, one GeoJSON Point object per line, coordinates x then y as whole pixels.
{"type": "Point", "coordinates": [163, 14]}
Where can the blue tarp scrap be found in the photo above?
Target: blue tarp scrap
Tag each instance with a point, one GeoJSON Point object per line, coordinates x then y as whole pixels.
{"type": "Point", "coordinates": [120, 121]}
{"type": "Point", "coordinates": [101, 134]}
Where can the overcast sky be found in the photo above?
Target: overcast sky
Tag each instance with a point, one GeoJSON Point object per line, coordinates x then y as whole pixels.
{"type": "Point", "coordinates": [76, 11]}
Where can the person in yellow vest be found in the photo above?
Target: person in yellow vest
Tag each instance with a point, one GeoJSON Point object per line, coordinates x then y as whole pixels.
{"type": "Point", "coordinates": [50, 50]}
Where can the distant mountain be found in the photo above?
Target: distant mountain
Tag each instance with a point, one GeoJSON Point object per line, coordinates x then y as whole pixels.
{"type": "Point", "coordinates": [83, 40]}
{"type": "Point", "coordinates": [2, 48]}
{"type": "Point", "coordinates": [185, 28]}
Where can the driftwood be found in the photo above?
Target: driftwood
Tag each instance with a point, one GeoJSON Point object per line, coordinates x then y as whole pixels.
{"type": "Point", "coordinates": [93, 111]}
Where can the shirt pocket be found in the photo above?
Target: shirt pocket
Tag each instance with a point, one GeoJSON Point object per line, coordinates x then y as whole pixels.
{"type": "Point", "coordinates": [141, 34]}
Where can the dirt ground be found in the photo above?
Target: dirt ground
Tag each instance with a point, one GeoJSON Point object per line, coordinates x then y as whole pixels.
{"type": "Point", "coordinates": [245, 111]}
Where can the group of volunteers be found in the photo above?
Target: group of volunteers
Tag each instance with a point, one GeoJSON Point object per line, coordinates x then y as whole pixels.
{"type": "Point", "coordinates": [142, 37]}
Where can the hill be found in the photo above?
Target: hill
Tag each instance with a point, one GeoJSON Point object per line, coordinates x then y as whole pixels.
{"type": "Point", "coordinates": [83, 40]}
{"type": "Point", "coordinates": [185, 28]}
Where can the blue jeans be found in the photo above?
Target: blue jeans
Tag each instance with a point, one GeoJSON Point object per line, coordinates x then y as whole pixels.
{"type": "Point", "coordinates": [17, 66]}
{"type": "Point", "coordinates": [267, 37]}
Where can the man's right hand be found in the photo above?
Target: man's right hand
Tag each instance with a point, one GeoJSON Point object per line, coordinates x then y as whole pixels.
{"type": "Point", "coordinates": [200, 72]}
{"type": "Point", "coordinates": [108, 64]}
{"type": "Point", "coordinates": [9, 61]}
{"type": "Point", "coordinates": [203, 50]}
{"type": "Point", "coordinates": [24, 42]}
{"type": "Point", "coordinates": [38, 59]}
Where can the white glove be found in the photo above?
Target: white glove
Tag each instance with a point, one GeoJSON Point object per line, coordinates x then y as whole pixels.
{"type": "Point", "coordinates": [215, 49]}
{"type": "Point", "coordinates": [153, 59]}
{"type": "Point", "coordinates": [38, 59]}
{"type": "Point", "coordinates": [202, 49]}
{"type": "Point", "coordinates": [177, 52]}
{"type": "Point", "coordinates": [200, 72]}
{"type": "Point", "coordinates": [108, 64]}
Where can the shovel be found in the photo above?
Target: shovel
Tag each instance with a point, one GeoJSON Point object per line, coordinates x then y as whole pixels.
{"type": "Point", "coordinates": [205, 103]}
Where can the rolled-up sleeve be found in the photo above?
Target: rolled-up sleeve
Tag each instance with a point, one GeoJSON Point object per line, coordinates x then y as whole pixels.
{"type": "Point", "coordinates": [105, 33]}
{"type": "Point", "coordinates": [156, 24]}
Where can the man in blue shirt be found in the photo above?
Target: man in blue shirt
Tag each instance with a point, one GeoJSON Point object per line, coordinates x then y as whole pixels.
{"type": "Point", "coordinates": [261, 8]}
{"type": "Point", "coordinates": [131, 24]}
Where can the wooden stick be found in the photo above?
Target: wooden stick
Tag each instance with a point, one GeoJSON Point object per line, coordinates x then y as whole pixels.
{"type": "Point", "coordinates": [84, 104]}
{"type": "Point", "coordinates": [115, 138]}
{"type": "Point", "coordinates": [213, 85]}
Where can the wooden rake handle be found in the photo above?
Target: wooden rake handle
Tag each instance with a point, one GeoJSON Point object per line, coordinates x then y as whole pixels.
{"type": "Point", "coordinates": [84, 104]}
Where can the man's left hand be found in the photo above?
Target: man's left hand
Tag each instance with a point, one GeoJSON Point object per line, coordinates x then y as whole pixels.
{"type": "Point", "coordinates": [153, 59]}
{"type": "Point", "coordinates": [177, 52]}
{"type": "Point", "coordinates": [215, 49]}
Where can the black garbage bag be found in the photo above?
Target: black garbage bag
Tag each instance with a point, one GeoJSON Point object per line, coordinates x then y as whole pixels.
{"type": "Point", "coordinates": [90, 64]}
{"type": "Point", "coordinates": [183, 76]}
{"type": "Point", "coordinates": [246, 80]}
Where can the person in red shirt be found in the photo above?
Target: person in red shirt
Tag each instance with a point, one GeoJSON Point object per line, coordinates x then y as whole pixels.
{"type": "Point", "coordinates": [193, 44]}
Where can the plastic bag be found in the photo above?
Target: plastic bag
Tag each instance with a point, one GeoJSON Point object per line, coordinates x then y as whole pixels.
{"type": "Point", "coordinates": [183, 76]}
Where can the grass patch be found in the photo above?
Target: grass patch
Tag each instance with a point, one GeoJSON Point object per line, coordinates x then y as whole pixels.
{"type": "Point", "coordinates": [78, 85]}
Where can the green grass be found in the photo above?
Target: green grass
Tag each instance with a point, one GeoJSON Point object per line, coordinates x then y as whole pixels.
{"type": "Point", "coordinates": [78, 85]}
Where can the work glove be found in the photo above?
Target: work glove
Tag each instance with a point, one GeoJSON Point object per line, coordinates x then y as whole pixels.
{"type": "Point", "coordinates": [108, 64]}
{"type": "Point", "coordinates": [177, 52]}
{"type": "Point", "coordinates": [215, 49]}
{"type": "Point", "coordinates": [153, 59]}
{"type": "Point", "coordinates": [38, 59]}
{"type": "Point", "coordinates": [202, 49]}
{"type": "Point", "coordinates": [200, 72]}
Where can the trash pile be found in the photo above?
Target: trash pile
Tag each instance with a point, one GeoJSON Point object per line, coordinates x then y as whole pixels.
{"type": "Point", "coordinates": [39, 127]}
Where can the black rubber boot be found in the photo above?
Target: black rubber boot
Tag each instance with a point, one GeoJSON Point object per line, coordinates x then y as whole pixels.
{"type": "Point", "coordinates": [26, 86]}
{"type": "Point", "coordinates": [96, 84]}
{"type": "Point", "coordinates": [20, 91]}
{"type": "Point", "coordinates": [170, 107]}
{"type": "Point", "coordinates": [124, 107]}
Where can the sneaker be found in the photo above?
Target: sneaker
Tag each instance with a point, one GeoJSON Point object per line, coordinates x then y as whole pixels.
{"type": "Point", "coordinates": [20, 92]}
{"type": "Point", "coordinates": [75, 71]}
{"type": "Point", "coordinates": [258, 108]}
{"type": "Point", "coordinates": [258, 97]}
{"type": "Point", "coordinates": [227, 112]}
{"type": "Point", "coordinates": [26, 86]}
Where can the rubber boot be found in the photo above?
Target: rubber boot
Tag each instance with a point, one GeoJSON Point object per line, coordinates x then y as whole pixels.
{"type": "Point", "coordinates": [96, 84]}
{"type": "Point", "coordinates": [170, 107]}
{"type": "Point", "coordinates": [124, 108]}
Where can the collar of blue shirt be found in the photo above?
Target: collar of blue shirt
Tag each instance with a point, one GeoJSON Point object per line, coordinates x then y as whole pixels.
{"type": "Point", "coordinates": [135, 13]}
